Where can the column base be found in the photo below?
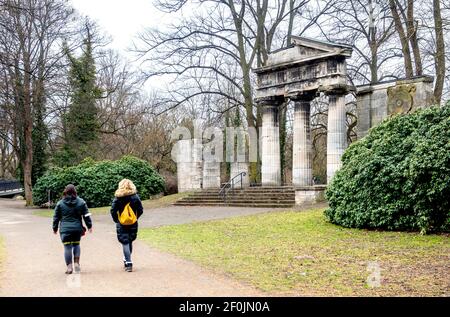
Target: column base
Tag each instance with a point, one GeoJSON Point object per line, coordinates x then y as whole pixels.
{"type": "Point", "coordinates": [309, 194]}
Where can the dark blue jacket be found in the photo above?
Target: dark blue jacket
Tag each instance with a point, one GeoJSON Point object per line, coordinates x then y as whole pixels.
{"type": "Point", "coordinates": [68, 214]}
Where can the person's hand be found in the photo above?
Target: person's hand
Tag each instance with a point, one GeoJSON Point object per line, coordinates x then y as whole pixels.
{"type": "Point", "coordinates": [90, 230]}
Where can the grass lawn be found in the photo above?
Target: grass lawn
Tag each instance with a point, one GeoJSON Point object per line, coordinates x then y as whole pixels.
{"type": "Point", "coordinates": [147, 204]}
{"type": "Point", "coordinates": [163, 201]}
{"type": "Point", "coordinates": [300, 253]}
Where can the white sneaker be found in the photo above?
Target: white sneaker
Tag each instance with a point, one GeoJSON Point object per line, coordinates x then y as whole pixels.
{"type": "Point", "coordinates": [69, 269]}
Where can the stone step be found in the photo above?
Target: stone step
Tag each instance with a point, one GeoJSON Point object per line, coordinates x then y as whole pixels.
{"type": "Point", "coordinates": [240, 201]}
{"type": "Point", "coordinates": [260, 205]}
{"type": "Point", "coordinates": [244, 195]}
{"type": "Point", "coordinates": [268, 187]}
{"type": "Point", "coordinates": [248, 191]}
{"type": "Point", "coordinates": [244, 198]}
{"type": "Point", "coordinates": [271, 197]}
{"type": "Point", "coordinates": [255, 188]}
{"type": "Point", "coordinates": [274, 188]}
{"type": "Point", "coordinates": [240, 198]}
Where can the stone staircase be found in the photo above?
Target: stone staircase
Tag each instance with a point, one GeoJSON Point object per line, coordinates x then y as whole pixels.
{"type": "Point", "coordinates": [263, 197]}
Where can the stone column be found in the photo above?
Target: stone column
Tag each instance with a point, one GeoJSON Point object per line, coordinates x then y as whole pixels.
{"type": "Point", "coordinates": [337, 133]}
{"type": "Point", "coordinates": [197, 164]}
{"type": "Point", "coordinates": [184, 165]}
{"type": "Point", "coordinates": [270, 145]}
{"type": "Point", "coordinates": [302, 145]}
{"type": "Point", "coordinates": [212, 157]}
{"type": "Point", "coordinates": [211, 174]}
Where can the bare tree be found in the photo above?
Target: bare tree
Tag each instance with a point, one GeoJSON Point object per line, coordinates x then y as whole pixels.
{"type": "Point", "coordinates": [367, 25]}
{"type": "Point", "coordinates": [440, 51]}
{"type": "Point", "coordinates": [406, 27]}
{"type": "Point", "coordinates": [433, 24]}
{"type": "Point", "coordinates": [117, 108]}
{"type": "Point", "coordinates": [31, 32]}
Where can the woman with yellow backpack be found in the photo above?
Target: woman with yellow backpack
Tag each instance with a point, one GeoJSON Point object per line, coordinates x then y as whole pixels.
{"type": "Point", "coordinates": [125, 211]}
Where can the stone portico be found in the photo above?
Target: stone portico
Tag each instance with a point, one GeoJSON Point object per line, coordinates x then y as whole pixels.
{"type": "Point", "coordinates": [299, 73]}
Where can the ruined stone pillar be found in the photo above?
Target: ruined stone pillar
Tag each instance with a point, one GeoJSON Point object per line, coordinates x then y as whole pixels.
{"type": "Point", "coordinates": [184, 165]}
{"type": "Point", "coordinates": [270, 144]}
{"type": "Point", "coordinates": [211, 174]}
{"type": "Point", "coordinates": [337, 133]}
{"type": "Point", "coordinates": [302, 172]}
{"type": "Point", "coordinates": [212, 157]}
{"type": "Point", "coordinates": [197, 164]}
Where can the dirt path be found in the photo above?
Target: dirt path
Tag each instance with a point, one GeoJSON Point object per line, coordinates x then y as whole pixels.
{"type": "Point", "coordinates": [35, 266]}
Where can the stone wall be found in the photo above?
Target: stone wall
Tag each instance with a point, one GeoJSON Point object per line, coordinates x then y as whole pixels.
{"type": "Point", "coordinates": [377, 102]}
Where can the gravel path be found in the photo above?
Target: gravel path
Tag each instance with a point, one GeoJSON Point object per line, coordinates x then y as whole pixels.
{"type": "Point", "coordinates": [35, 266]}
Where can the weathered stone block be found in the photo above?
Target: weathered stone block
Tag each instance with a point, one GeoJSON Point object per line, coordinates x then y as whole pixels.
{"type": "Point", "coordinates": [309, 194]}
{"type": "Point", "coordinates": [211, 174]}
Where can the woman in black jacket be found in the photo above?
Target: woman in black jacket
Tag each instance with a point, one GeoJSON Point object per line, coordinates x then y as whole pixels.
{"type": "Point", "coordinates": [126, 234]}
{"type": "Point", "coordinates": [68, 214]}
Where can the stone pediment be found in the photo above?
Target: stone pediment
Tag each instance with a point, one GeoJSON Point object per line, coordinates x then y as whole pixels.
{"type": "Point", "coordinates": [304, 50]}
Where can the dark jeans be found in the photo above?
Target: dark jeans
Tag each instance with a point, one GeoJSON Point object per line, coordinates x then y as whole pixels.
{"type": "Point", "coordinates": [127, 250]}
{"type": "Point", "coordinates": [69, 249]}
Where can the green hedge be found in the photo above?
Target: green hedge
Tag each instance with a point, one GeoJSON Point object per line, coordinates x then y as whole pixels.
{"type": "Point", "coordinates": [96, 182]}
{"type": "Point", "coordinates": [397, 177]}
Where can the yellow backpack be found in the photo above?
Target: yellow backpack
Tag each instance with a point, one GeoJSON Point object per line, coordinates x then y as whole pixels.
{"type": "Point", "coordinates": [127, 217]}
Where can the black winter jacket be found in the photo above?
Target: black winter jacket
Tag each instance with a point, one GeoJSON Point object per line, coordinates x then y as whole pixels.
{"type": "Point", "coordinates": [68, 214]}
{"type": "Point", "coordinates": [126, 234]}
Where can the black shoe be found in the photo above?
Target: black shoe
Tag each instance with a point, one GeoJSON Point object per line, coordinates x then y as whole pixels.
{"type": "Point", "coordinates": [129, 267]}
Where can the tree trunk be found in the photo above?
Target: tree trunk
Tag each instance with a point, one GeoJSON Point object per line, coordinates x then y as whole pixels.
{"type": "Point", "coordinates": [412, 35]}
{"type": "Point", "coordinates": [374, 66]}
{"type": "Point", "coordinates": [403, 39]}
{"type": "Point", "coordinates": [249, 107]}
{"type": "Point", "coordinates": [247, 87]}
{"type": "Point", "coordinates": [3, 159]}
{"type": "Point", "coordinates": [27, 164]}
{"type": "Point", "coordinates": [291, 22]}
{"type": "Point", "coordinates": [257, 178]}
{"type": "Point", "coordinates": [227, 164]}
{"type": "Point", "coordinates": [373, 46]}
{"type": "Point", "coordinates": [440, 52]}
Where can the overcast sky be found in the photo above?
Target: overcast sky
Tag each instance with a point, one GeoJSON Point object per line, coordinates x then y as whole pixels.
{"type": "Point", "coordinates": [121, 19]}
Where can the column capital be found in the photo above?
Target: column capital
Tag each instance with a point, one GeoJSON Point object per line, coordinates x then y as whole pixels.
{"type": "Point", "coordinates": [270, 101]}
{"type": "Point", "coordinates": [306, 96]}
{"type": "Point", "coordinates": [337, 90]}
